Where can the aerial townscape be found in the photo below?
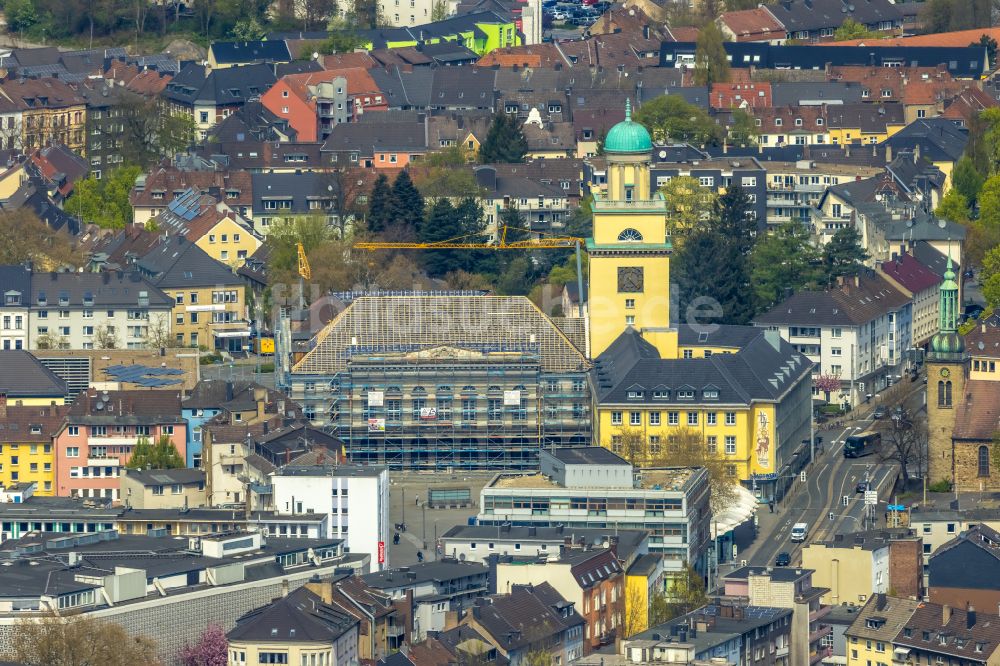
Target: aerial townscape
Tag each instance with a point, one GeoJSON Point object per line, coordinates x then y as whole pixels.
{"type": "Point", "coordinates": [500, 333]}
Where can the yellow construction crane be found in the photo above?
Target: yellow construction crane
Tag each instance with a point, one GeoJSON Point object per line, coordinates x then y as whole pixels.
{"type": "Point", "coordinates": [464, 243]}
{"type": "Point", "coordinates": [543, 242]}
{"type": "Point", "coordinates": [305, 273]}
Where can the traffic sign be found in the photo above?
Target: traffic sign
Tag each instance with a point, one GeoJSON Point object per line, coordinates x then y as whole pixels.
{"type": "Point", "coordinates": [897, 507]}
{"type": "Point", "coordinates": [871, 497]}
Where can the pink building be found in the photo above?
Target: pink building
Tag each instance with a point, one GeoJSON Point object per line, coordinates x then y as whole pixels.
{"type": "Point", "coordinates": [101, 431]}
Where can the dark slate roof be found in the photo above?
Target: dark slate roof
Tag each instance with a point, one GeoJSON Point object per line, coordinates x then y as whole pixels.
{"type": "Point", "coordinates": [925, 227]}
{"type": "Point", "coordinates": [177, 263]}
{"type": "Point", "coordinates": [696, 95]}
{"type": "Point", "coordinates": [791, 93]}
{"type": "Point", "coordinates": [368, 137]}
{"type": "Point", "coordinates": [463, 87]}
{"type": "Point", "coordinates": [716, 335]}
{"type": "Point", "coordinates": [937, 139]}
{"type": "Point", "coordinates": [868, 117]}
{"type": "Point", "coordinates": [235, 53]}
{"type": "Point", "coordinates": [812, 15]}
{"type": "Point", "coordinates": [763, 369]}
{"type": "Point", "coordinates": [405, 89]}
{"type": "Point", "coordinates": [299, 186]}
{"type": "Point", "coordinates": [24, 376]}
{"type": "Point", "coordinates": [961, 62]}
{"type": "Point", "coordinates": [969, 561]}
{"type": "Point", "coordinates": [439, 571]}
{"type": "Point", "coordinates": [99, 289]}
{"type": "Point", "coordinates": [956, 638]}
{"type": "Point", "coordinates": [16, 278]}
{"type": "Point", "coordinates": [195, 84]}
{"type": "Point", "coordinates": [587, 455]}
{"type": "Point", "coordinates": [527, 615]}
{"type": "Point", "coordinates": [852, 304]}
{"type": "Point", "coordinates": [299, 617]}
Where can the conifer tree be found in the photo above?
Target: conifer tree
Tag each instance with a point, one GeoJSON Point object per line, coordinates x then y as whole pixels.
{"type": "Point", "coordinates": [504, 142]}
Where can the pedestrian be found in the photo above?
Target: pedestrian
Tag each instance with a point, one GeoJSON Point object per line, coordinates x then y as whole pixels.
{"type": "Point", "coordinates": [416, 500]}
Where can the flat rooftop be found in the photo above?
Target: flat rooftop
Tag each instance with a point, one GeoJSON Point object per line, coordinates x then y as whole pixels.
{"type": "Point", "coordinates": [665, 478]}
{"type": "Point", "coordinates": [523, 481]}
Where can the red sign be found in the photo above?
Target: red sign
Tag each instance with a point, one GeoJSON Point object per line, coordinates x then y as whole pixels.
{"type": "Point", "coordinates": [381, 552]}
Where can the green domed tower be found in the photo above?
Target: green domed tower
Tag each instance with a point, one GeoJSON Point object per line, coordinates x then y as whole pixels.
{"type": "Point", "coordinates": [946, 379]}
{"type": "Point", "coordinates": [628, 136]}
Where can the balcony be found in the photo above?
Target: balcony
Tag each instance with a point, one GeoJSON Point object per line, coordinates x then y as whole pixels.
{"type": "Point", "coordinates": [781, 652]}
{"type": "Point", "coordinates": [103, 462]}
{"type": "Point", "coordinates": [637, 204]}
{"type": "Point", "coordinates": [232, 459]}
{"type": "Point", "coordinates": [819, 613]}
{"type": "Point", "coordinates": [117, 440]}
{"type": "Point", "coordinates": [820, 655]}
{"type": "Point", "coordinates": [823, 630]}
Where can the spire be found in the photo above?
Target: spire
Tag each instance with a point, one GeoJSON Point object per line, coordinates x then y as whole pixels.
{"type": "Point", "coordinates": [628, 110]}
{"type": "Point", "coordinates": [947, 342]}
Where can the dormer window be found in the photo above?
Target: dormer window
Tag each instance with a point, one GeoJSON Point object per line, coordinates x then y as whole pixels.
{"type": "Point", "coordinates": [635, 395]}
{"type": "Point", "coordinates": [662, 394]}
{"type": "Point", "coordinates": [12, 298]}
{"type": "Point", "coordinates": [798, 122]}
{"type": "Point", "coordinates": [63, 298]}
{"type": "Point", "coordinates": [685, 394]}
{"type": "Point", "coordinates": [711, 394]}
{"type": "Point", "coordinates": [777, 122]}
{"type": "Point", "coordinates": [88, 298]}
{"type": "Point", "coordinates": [42, 300]}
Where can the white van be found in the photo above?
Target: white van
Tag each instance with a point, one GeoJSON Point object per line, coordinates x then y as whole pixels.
{"type": "Point", "coordinates": [799, 531]}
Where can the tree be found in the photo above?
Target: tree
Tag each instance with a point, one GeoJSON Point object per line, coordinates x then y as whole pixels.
{"type": "Point", "coordinates": [439, 12]}
{"type": "Point", "coordinates": [504, 142]}
{"type": "Point", "coordinates": [783, 260]}
{"type": "Point", "coordinates": [407, 204]}
{"type": "Point", "coordinates": [743, 130]}
{"type": "Point", "coordinates": [78, 640]}
{"type": "Point", "coordinates": [688, 204]}
{"type": "Point", "coordinates": [248, 30]}
{"type": "Point", "coordinates": [953, 207]}
{"type": "Point", "coordinates": [952, 15]}
{"type": "Point", "coordinates": [711, 65]}
{"type": "Point", "coordinates": [516, 278]}
{"type": "Point", "coordinates": [989, 119]}
{"type": "Point", "coordinates": [990, 44]}
{"type": "Point", "coordinates": [212, 649]}
{"type": "Point", "coordinates": [443, 223]}
{"type": "Point", "coordinates": [451, 180]}
{"type": "Point", "coordinates": [105, 201]}
{"type": "Point", "coordinates": [162, 455]}
{"type": "Point", "coordinates": [989, 202]}
{"type": "Point", "coordinates": [967, 180]}
{"type": "Point", "coordinates": [827, 384]}
{"type": "Point", "coordinates": [106, 337]}
{"type": "Point", "coordinates": [990, 277]}
{"type": "Point", "coordinates": [851, 29]}
{"type": "Point", "coordinates": [685, 592]}
{"type": "Point", "coordinates": [905, 443]}
{"type": "Point", "coordinates": [670, 118]}
{"type": "Point", "coordinates": [27, 238]}
{"type": "Point", "coordinates": [843, 254]}
{"type": "Point", "coordinates": [379, 205]}
{"type": "Point", "coordinates": [688, 448]}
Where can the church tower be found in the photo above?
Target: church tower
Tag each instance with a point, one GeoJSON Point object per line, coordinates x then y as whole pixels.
{"type": "Point", "coordinates": [946, 377]}
{"type": "Point", "coordinates": [629, 252]}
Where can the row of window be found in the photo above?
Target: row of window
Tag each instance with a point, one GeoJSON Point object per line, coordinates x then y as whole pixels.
{"type": "Point", "coordinates": [655, 447]}
{"type": "Point", "coordinates": [119, 431]}
{"type": "Point", "coordinates": [673, 418]}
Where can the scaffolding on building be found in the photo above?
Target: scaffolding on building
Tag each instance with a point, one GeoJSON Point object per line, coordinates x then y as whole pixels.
{"type": "Point", "coordinates": [446, 382]}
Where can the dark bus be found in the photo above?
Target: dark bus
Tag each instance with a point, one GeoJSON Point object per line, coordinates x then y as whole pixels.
{"type": "Point", "coordinates": [862, 444]}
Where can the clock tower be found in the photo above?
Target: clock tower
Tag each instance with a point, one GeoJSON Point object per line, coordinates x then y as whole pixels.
{"type": "Point", "coordinates": [946, 378]}
{"type": "Point", "coordinates": [629, 252]}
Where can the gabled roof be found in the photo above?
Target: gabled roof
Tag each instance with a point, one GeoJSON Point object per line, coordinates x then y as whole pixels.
{"type": "Point", "coordinates": [984, 338]}
{"type": "Point", "coordinates": [763, 370]}
{"type": "Point", "coordinates": [937, 139]}
{"type": "Point", "coordinates": [177, 263]}
{"type": "Point", "coordinates": [196, 84]}
{"type": "Point", "coordinates": [811, 15]}
{"type": "Point", "coordinates": [135, 406]}
{"type": "Point", "coordinates": [25, 377]}
{"type": "Point", "coordinates": [953, 638]}
{"type": "Point", "coordinates": [236, 53]}
{"type": "Point", "coordinates": [857, 301]}
{"type": "Point", "coordinates": [96, 290]}
{"type": "Point", "coordinates": [753, 24]}
{"type": "Point", "coordinates": [910, 273]}
{"type": "Point", "coordinates": [528, 615]}
{"type": "Point", "coordinates": [300, 617]}
{"type": "Point", "coordinates": [30, 423]}
{"type": "Point", "coordinates": [883, 617]}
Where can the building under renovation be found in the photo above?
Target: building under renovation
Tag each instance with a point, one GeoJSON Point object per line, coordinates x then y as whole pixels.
{"type": "Point", "coordinates": [439, 382]}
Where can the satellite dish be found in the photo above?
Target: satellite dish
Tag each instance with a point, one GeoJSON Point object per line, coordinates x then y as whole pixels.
{"type": "Point", "coordinates": [99, 405]}
{"type": "Point", "coordinates": [909, 223]}
{"type": "Point", "coordinates": [942, 223]}
{"type": "Point", "coordinates": [663, 154]}
{"type": "Point", "coordinates": [982, 345]}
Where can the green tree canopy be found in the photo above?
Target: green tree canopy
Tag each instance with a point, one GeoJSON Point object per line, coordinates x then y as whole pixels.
{"type": "Point", "coordinates": [990, 277]}
{"type": "Point", "coordinates": [670, 118]}
{"type": "Point", "coordinates": [843, 254]}
{"type": "Point", "coordinates": [743, 130]}
{"type": "Point", "coordinates": [406, 206]}
{"type": "Point", "coordinates": [505, 142]}
{"type": "Point", "coordinates": [379, 205]}
{"type": "Point", "coordinates": [104, 201]}
{"type": "Point", "coordinates": [989, 202]}
{"type": "Point", "coordinates": [161, 455]}
{"type": "Point", "coordinates": [782, 260]}
{"type": "Point", "coordinates": [967, 180]}
{"type": "Point", "coordinates": [851, 29]}
{"type": "Point", "coordinates": [711, 64]}
{"type": "Point", "coordinates": [953, 207]}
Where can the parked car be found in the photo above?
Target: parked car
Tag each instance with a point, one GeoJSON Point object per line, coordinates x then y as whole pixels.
{"type": "Point", "coordinates": [879, 413]}
{"type": "Point", "coordinates": [782, 560]}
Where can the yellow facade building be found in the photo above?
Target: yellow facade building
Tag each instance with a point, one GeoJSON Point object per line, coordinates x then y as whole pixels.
{"type": "Point", "coordinates": [740, 392]}
{"type": "Point", "coordinates": [27, 454]}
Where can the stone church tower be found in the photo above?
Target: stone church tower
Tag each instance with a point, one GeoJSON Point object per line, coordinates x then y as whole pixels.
{"type": "Point", "coordinates": [947, 374]}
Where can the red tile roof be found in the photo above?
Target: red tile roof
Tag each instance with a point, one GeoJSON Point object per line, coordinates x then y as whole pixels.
{"type": "Point", "coordinates": [740, 95]}
{"type": "Point", "coordinates": [750, 25]}
{"type": "Point", "coordinates": [910, 274]}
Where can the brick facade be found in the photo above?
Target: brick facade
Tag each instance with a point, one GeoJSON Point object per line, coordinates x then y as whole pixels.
{"type": "Point", "coordinates": [906, 567]}
{"type": "Point", "coordinates": [941, 419]}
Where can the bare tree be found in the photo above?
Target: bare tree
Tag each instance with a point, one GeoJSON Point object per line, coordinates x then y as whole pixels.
{"type": "Point", "coordinates": [158, 332]}
{"type": "Point", "coordinates": [105, 337]}
{"type": "Point", "coordinates": [687, 448]}
{"type": "Point", "coordinates": [630, 444]}
{"type": "Point", "coordinates": [904, 442]}
{"type": "Point", "coordinates": [78, 640]}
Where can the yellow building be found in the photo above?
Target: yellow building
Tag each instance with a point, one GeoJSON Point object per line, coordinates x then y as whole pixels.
{"type": "Point", "coordinates": [228, 241]}
{"type": "Point", "coordinates": [742, 393]}
{"type": "Point", "coordinates": [27, 454]}
{"type": "Point", "coordinates": [51, 112]}
{"type": "Point", "coordinates": [644, 580]}
{"type": "Point", "coordinates": [209, 298]}
{"type": "Point", "coordinates": [870, 637]}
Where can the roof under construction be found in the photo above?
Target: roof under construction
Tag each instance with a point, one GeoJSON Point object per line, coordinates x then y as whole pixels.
{"type": "Point", "coordinates": [407, 325]}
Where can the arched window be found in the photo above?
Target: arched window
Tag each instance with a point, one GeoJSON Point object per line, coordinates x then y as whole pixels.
{"type": "Point", "coordinates": [944, 393]}
{"type": "Point", "coordinates": [984, 461]}
{"type": "Point", "coordinates": [630, 236]}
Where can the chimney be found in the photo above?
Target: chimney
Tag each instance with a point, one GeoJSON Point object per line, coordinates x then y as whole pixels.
{"type": "Point", "coordinates": [888, 153]}
{"type": "Point", "coordinates": [284, 587]}
{"type": "Point", "coordinates": [3, 405]}
{"type": "Point", "coordinates": [945, 615]}
{"type": "Point", "coordinates": [970, 616]}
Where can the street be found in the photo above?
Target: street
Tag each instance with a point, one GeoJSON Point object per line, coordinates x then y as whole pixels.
{"type": "Point", "coordinates": [829, 479]}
